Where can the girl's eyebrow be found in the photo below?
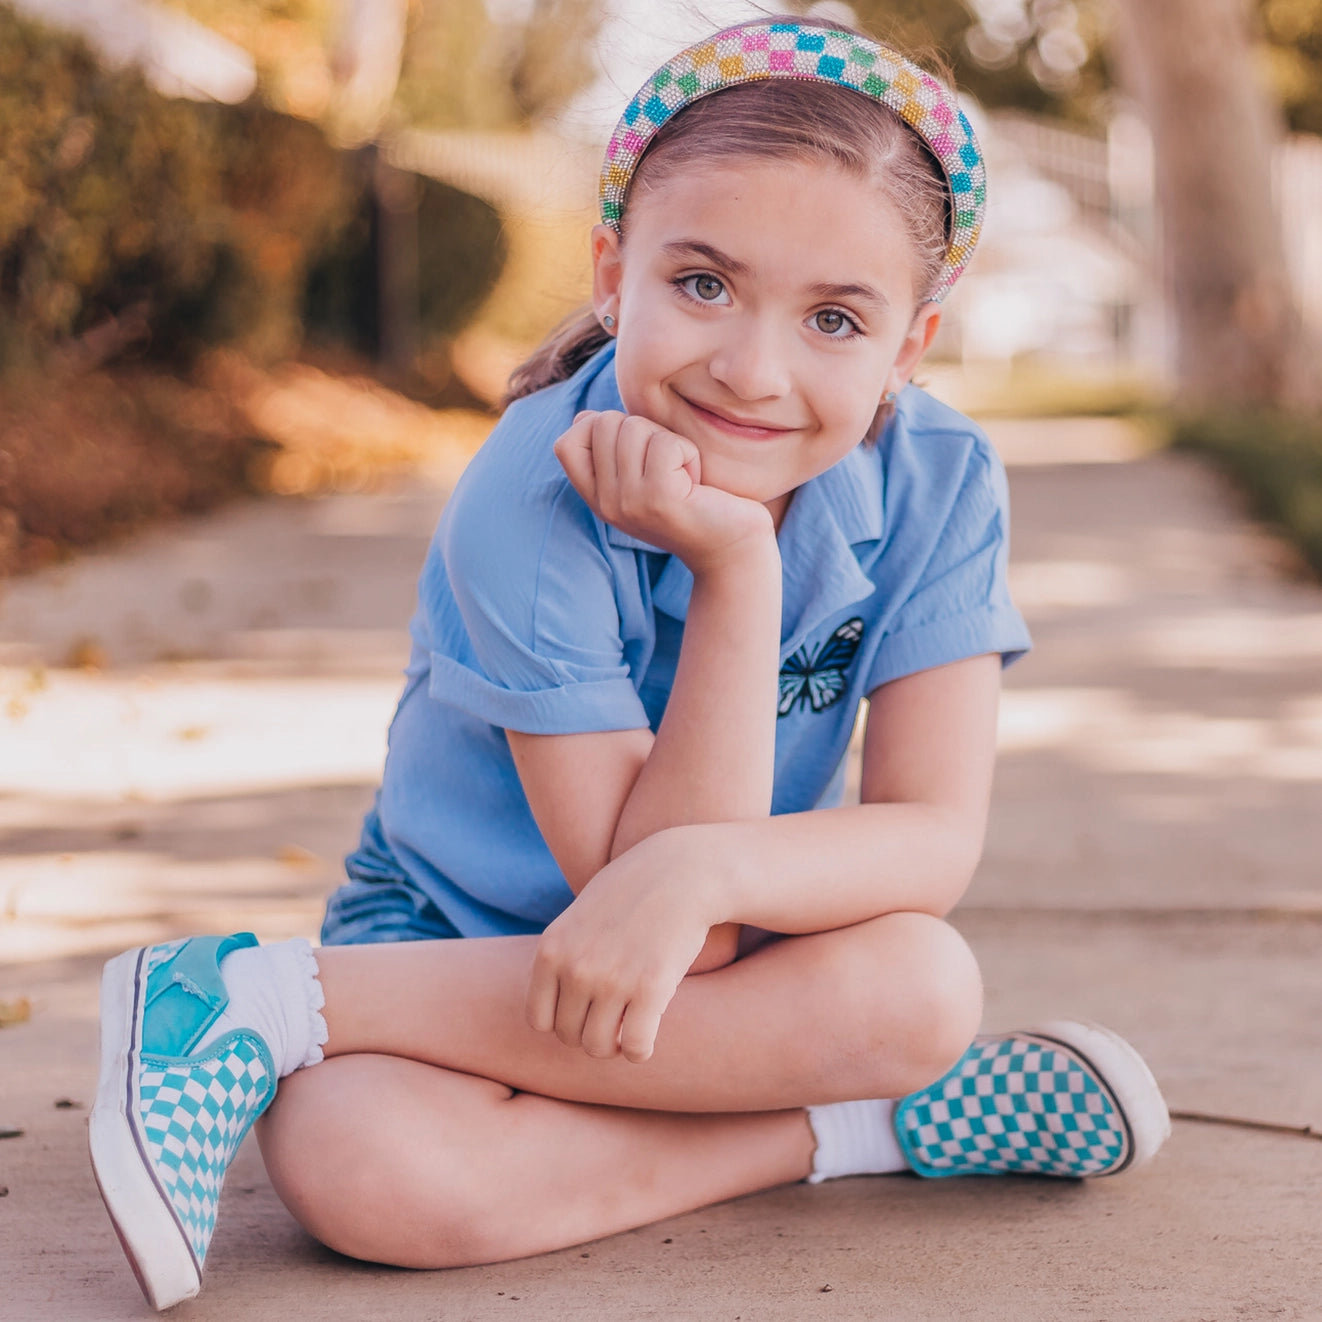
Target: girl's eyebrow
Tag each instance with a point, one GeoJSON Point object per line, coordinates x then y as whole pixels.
{"type": "Point", "coordinates": [846, 292]}
{"type": "Point", "coordinates": [681, 248]}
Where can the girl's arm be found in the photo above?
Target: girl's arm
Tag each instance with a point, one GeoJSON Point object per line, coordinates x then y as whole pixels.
{"type": "Point", "coordinates": [595, 796]}
{"type": "Point", "coordinates": [912, 843]}
{"type": "Point", "coordinates": [606, 968]}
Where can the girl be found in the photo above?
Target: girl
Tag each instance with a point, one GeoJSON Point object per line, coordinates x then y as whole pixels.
{"type": "Point", "coordinates": [714, 519]}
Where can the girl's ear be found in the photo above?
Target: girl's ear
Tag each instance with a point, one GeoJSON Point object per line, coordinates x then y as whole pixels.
{"type": "Point", "coordinates": [607, 271]}
{"type": "Point", "coordinates": [922, 331]}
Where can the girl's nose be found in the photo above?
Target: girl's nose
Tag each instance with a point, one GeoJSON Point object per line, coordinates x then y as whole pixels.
{"type": "Point", "coordinates": [750, 361]}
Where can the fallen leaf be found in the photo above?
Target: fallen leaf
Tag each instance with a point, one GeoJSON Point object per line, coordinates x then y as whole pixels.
{"type": "Point", "coordinates": [295, 856]}
{"type": "Point", "coordinates": [18, 1011]}
{"type": "Point", "coordinates": [85, 654]}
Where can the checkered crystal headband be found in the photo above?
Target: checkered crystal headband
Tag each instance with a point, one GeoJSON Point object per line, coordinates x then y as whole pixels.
{"type": "Point", "coordinates": [755, 51]}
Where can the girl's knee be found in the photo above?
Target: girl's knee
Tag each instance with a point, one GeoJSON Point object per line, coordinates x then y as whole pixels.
{"type": "Point", "coordinates": [370, 1175]}
{"type": "Point", "coordinates": [919, 1016]}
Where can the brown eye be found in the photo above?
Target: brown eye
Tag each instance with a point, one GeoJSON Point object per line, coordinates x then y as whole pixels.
{"type": "Point", "coordinates": [833, 322]}
{"type": "Point", "coordinates": [707, 287]}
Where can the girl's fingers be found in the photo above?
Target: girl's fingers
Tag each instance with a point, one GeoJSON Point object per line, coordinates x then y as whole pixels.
{"type": "Point", "coordinates": [574, 450]}
{"type": "Point", "coordinates": [571, 1012]}
{"type": "Point", "coordinates": [638, 1030]}
{"type": "Point", "coordinates": [631, 451]}
{"type": "Point", "coordinates": [668, 452]}
{"type": "Point", "coordinates": [605, 435]}
{"type": "Point", "coordinates": [601, 1030]}
{"type": "Point", "coordinates": [543, 996]}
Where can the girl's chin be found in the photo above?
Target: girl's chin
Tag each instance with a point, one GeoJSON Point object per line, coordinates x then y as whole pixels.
{"type": "Point", "coordinates": [738, 481]}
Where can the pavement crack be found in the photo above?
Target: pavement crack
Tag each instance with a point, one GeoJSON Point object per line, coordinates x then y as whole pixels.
{"type": "Point", "coordinates": [1238, 1122]}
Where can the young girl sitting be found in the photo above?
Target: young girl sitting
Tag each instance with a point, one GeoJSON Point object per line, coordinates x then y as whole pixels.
{"type": "Point", "coordinates": [609, 950]}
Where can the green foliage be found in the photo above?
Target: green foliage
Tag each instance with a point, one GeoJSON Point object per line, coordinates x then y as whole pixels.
{"type": "Point", "coordinates": [113, 197]}
{"type": "Point", "coordinates": [1016, 60]}
{"type": "Point", "coordinates": [1292, 31]}
{"type": "Point", "coordinates": [1277, 459]}
{"type": "Point", "coordinates": [1003, 66]}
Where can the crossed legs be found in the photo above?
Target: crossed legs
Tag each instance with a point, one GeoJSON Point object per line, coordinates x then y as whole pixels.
{"type": "Point", "coordinates": [443, 1131]}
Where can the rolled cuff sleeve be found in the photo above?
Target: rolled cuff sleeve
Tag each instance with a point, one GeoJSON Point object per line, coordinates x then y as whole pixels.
{"type": "Point", "coordinates": [583, 707]}
{"type": "Point", "coordinates": [523, 624]}
{"type": "Point", "coordinates": [960, 605]}
{"type": "Point", "coordinates": [996, 629]}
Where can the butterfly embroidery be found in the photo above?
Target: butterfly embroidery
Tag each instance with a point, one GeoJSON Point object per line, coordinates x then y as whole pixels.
{"type": "Point", "coordinates": [816, 677]}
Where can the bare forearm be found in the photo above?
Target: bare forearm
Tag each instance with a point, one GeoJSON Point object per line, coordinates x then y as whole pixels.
{"type": "Point", "coordinates": [815, 871]}
{"type": "Point", "coordinates": [714, 754]}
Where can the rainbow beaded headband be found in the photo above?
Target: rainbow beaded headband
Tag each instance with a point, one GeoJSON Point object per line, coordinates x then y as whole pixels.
{"type": "Point", "coordinates": [754, 51]}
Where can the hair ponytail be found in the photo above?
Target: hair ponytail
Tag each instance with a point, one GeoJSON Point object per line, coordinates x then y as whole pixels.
{"type": "Point", "coordinates": [563, 352]}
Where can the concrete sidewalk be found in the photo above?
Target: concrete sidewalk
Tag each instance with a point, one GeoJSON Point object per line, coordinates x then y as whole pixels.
{"type": "Point", "coordinates": [1152, 863]}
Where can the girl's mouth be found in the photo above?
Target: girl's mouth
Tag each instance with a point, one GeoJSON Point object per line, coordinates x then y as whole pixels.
{"type": "Point", "coordinates": [734, 426]}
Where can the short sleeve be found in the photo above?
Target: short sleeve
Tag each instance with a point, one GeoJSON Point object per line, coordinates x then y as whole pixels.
{"type": "Point", "coordinates": [522, 615]}
{"type": "Point", "coordinates": [959, 605]}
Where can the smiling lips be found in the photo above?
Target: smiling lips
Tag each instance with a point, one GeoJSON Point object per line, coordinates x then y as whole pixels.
{"type": "Point", "coordinates": [733, 426]}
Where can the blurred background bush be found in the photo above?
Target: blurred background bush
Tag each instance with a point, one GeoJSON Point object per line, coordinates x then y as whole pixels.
{"type": "Point", "coordinates": [208, 205]}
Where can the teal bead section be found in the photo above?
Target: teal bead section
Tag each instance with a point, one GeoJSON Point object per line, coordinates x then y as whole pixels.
{"type": "Point", "coordinates": [1015, 1105]}
{"type": "Point", "coordinates": [194, 1115]}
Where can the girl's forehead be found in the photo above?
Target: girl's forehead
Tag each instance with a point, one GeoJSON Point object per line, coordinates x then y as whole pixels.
{"type": "Point", "coordinates": [804, 216]}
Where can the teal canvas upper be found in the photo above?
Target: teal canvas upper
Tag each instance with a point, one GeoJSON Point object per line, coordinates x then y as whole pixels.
{"type": "Point", "coordinates": [185, 994]}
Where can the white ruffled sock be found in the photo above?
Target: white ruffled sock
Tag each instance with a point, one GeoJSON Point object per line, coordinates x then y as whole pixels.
{"type": "Point", "coordinates": [855, 1138]}
{"type": "Point", "coordinates": [274, 991]}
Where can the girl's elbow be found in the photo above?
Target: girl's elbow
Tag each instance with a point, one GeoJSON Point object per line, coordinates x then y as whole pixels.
{"type": "Point", "coordinates": [961, 857]}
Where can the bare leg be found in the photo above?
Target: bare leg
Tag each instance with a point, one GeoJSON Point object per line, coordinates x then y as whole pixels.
{"type": "Point", "coordinates": [874, 1010]}
{"type": "Point", "coordinates": [452, 1170]}
{"type": "Point", "coordinates": [410, 1146]}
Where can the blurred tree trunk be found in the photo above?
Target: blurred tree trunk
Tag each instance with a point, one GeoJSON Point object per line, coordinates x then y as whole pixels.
{"type": "Point", "coordinates": [1191, 66]}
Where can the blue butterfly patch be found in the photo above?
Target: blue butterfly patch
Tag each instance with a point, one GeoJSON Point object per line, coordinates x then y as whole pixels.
{"type": "Point", "coordinates": [816, 678]}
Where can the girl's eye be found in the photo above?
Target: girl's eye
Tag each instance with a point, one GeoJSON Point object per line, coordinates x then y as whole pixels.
{"type": "Point", "coordinates": [833, 322]}
{"type": "Point", "coordinates": [705, 288]}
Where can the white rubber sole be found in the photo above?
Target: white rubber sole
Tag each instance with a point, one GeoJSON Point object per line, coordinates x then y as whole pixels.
{"type": "Point", "coordinates": [139, 1208]}
{"type": "Point", "coordinates": [1127, 1076]}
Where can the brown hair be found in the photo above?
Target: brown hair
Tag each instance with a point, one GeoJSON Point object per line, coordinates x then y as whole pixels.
{"type": "Point", "coordinates": [777, 119]}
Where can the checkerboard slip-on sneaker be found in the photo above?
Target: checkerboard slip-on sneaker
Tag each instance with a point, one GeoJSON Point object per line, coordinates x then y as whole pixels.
{"type": "Point", "coordinates": [1067, 1099]}
{"type": "Point", "coordinates": [168, 1118]}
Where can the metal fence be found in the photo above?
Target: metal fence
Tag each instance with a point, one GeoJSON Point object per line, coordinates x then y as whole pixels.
{"type": "Point", "coordinates": [1110, 180]}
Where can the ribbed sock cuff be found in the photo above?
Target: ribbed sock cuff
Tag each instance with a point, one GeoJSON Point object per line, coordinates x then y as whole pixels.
{"type": "Point", "coordinates": [854, 1138]}
{"type": "Point", "coordinates": [275, 992]}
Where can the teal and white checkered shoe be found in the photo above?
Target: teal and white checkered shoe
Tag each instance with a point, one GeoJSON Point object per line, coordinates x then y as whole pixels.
{"type": "Point", "coordinates": [168, 1119]}
{"type": "Point", "coordinates": [1068, 1099]}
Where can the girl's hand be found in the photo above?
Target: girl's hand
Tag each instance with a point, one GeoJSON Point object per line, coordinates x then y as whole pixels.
{"type": "Point", "coordinates": [608, 966]}
{"type": "Point", "coordinates": [647, 482]}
